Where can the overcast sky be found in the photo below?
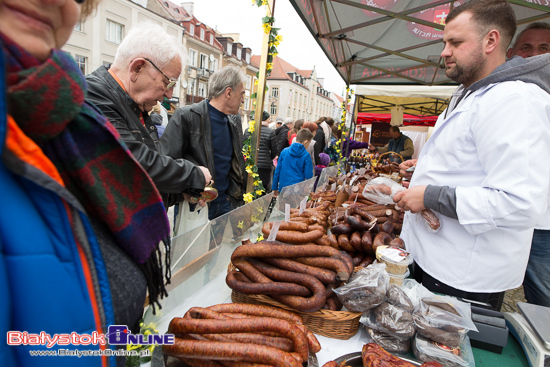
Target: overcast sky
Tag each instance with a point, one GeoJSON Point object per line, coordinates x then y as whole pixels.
{"type": "Point", "coordinates": [298, 47]}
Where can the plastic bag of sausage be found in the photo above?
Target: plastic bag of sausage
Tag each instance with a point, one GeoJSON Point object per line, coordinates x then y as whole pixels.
{"type": "Point", "coordinates": [366, 289]}
{"type": "Point", "coordinates": [443, 319]}
{"type": "Point", "coordinates": [381, 190]}
{"type": "Point", "coordinates": [390, 319]}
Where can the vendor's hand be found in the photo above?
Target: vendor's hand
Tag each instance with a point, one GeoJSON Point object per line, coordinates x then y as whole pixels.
{"type": "Point", "coordinates": [406, 165]}
{"type": "Point", "coordinates": [372, 148]}
{"type": "Point", "coordinates": [207, 175]}
{"type": "Point", "coordinates": [411, 199]}
{"type": "Point", "coordinates": [275, 193]}
{"type": "Point", "coordinates": [194, 200]}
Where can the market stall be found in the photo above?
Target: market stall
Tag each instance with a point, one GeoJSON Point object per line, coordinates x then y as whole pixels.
{"type": "Point", "coordinates": [201, 269]}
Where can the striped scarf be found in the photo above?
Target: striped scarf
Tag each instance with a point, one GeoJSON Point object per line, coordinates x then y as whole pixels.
{"type": "Point", "coordinates": [47, 100]}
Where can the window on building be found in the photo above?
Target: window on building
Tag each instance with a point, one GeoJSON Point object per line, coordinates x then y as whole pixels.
{"type": "Point", "coordinates": [202, 90]}
{"type": "Point", "coordinates": [288, 112]}
{"type": "Point", "coordinates": [295, 97]}
{"type": "Point", "coordinates": [114, 32]}
{"type": "Point", "coordinates": [177, 10]}
{"type": "Point", "coordinates": [273, 109]}
{"type": "Point", "coordinates": [81, 61]}
{"type": "Point", "coordinates": [193, 57]}
{"type": "Point", "coordinates": [211, 39]}
{"type": "Point", "coordinates": [191, 86]}
{"type": "Point", "coordinates": [202, 34]}
{"type": "Point", "coordinates": [204, 61]}
{"type": "Point", "coordinates": [192, 30]}
{"type": "Point", "coordinates": [301, 98]}
{"type": "Point", "coordinates": [274, 93]}
{"type": "Point", "coordinates": [248, 57]}
{"type": "Point", "coordinates": [239, 53]}
{"type": "Point", "coordinates": [248, 82]}
{"type": "Point", "coordinates": [229, 48]}
{"type": "Point", "coordinates": [79, 26]}
{"type": "Point", "coordinates": [214, 65]}
{"type": "Point", "coordinates": [246, 103]}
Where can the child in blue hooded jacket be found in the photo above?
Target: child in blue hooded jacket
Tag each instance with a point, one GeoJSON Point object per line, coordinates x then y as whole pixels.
{"type": "Point", "coordinates": [294, 163]}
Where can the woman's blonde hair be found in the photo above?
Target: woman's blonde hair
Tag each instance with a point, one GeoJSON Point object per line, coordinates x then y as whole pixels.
{"type": "Point", "coordinates": [88, 8]}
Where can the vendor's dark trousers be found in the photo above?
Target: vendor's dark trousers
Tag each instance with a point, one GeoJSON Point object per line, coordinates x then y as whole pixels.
{"type": "Point", "coordinates": [434, 285]}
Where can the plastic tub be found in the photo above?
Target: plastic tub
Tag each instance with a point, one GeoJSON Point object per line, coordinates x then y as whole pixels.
{"type": "Point", "coordinates": [397, 279]}
{"type": "Point", "coordinates": [396, 260]}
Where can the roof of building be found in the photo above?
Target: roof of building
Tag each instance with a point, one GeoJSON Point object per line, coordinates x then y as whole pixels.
{"type": "Point", "coordinates": [177, 12]}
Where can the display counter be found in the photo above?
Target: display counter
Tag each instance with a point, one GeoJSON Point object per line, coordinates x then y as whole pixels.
{"type": "Point", "coordinates": [200, 259]}
{"type": "Point", "coordinates": [216, 292]}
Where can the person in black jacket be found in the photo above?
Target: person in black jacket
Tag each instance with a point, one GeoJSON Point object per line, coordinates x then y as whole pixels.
{"type": "Point", "coordinates": [320, 143]}
{"type": "Point", "coordinates": [146, 67]}
{"type": "Point", "coordinates": [209, 133]}
{"type": "Point", "coordinates": [282, 136]}
{"type": "Point", "coordinates": [267, 151]}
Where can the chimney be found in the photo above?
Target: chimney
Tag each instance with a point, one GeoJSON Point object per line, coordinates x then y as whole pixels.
{"type": "Point", "coordinates": [189, 7]}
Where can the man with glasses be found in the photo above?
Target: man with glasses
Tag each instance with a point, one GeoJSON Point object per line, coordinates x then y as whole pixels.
{"type": "Point", "coordinates": [210, 133]}
{"type": "Point", "coordinates": [145, 70]}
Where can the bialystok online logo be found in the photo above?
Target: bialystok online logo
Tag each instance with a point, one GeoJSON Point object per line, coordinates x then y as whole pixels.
{"type": "Point", "coordinates": [116, 335]}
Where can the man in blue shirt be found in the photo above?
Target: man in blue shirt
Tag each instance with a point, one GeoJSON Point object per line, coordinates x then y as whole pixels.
{"type": "Point", "coordinates": [210, 132]}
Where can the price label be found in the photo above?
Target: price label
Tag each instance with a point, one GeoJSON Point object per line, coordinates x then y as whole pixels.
{"type": "Point", "coordinates": [287, 212]}
{"type": "Point", "coordinates": [353, 180]}
{"type": "Point", "coordinates": [273, 234]}
{"type": "Point", "coordinates": [303, 205]}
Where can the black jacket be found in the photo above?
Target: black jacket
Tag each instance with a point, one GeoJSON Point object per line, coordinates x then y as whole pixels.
{"type": "Point", "coordinates": [267, 149]}
{"type": "Point", "coordinates": [282, 138]}
{"type": "Point", "coordinates": [319, 146]}
{"type": "Point", "coordinates": [171, 176]}
{"type": "Point", "coordinates": [189, 136]}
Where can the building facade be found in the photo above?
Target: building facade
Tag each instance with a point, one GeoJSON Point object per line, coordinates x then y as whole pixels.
{"type": "Point", "coordinates": [94, 42]}
{"type": "Point", "coordinates": [295, 93]}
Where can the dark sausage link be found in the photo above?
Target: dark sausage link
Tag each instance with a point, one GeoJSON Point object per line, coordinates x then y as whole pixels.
{"type": "Point", "coordinates": [211, 350]}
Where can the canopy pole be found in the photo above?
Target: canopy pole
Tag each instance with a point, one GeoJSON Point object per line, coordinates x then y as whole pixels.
{"type": "Point", "coordinates": [260, 97]}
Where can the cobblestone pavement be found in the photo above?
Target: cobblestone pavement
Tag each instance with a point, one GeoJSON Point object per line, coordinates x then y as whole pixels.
{"type": "Point", "coordinates": [511, 298]}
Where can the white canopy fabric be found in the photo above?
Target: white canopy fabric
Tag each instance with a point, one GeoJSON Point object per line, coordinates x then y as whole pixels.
{"type": "Point", "coordinates": [405, 91]}
{"type": "Point", "coordinates": [391, 41]}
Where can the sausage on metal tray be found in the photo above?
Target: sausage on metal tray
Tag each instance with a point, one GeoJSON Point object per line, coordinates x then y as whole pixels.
{"type": "Point", "coordinates": [250, 325]}
{"type": "Point", "coordinates": [211, 350]}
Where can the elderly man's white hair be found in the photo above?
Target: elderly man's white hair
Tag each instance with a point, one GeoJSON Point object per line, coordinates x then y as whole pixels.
{"type": "Point", "coordinates": [149, 40]}
{"type": "Point", "coordinates": [288, 120]}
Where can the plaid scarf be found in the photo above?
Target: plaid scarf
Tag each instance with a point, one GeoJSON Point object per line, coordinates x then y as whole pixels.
{"type": "Point", "coordinates": [47, 100]}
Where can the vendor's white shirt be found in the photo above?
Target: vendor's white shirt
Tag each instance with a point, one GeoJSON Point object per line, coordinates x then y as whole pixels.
{"type": "Point", "coordinates": [494, 149]}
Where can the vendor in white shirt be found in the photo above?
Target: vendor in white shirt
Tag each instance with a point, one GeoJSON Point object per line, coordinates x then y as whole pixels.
{"type": "Point", "coordinates": [481, 169]}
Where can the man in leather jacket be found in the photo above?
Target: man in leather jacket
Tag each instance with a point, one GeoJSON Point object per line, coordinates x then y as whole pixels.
{"type": "Point", "coordinates": [128, 90]}
{"type": "Point", "coordinates": [209, 133]}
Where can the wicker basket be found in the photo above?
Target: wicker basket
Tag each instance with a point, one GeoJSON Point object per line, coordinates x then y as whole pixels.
{"type": "Point", "coordinates": [376, 168]}
{"type": "Point", "coordinates": [332, 324]}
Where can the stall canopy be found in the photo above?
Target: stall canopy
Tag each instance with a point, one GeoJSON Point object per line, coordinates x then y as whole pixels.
{"type": "Point", "coordinates": [417, 101]}
{"type": "Point", "coordinates": [369, 118]}
{"type": "Point", "coordinates": [390, 41]}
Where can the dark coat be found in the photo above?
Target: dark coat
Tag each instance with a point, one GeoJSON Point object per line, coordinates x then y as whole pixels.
{"type": "Point", "coordinates": [319, 146]}
{"type": "Point", "coordinates": [171, 176]}
{"type": "Point", "coordinates": [189, 136]}
{"type": "Point", "coordinates": [267, 149]}
{"type": "Point", "coordinates": [282, 139]}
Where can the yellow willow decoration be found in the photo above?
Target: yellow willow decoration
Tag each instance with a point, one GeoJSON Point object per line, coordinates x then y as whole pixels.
{"type": "Point", "coordinates": [274, 40]}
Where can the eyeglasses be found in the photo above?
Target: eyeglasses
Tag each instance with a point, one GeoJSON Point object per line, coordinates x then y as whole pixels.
{"type": "Point", "coordinates": [171, 81]}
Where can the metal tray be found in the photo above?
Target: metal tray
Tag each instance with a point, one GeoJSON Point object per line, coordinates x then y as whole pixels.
{"type": "Point", "coordinates": [354, 359]}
